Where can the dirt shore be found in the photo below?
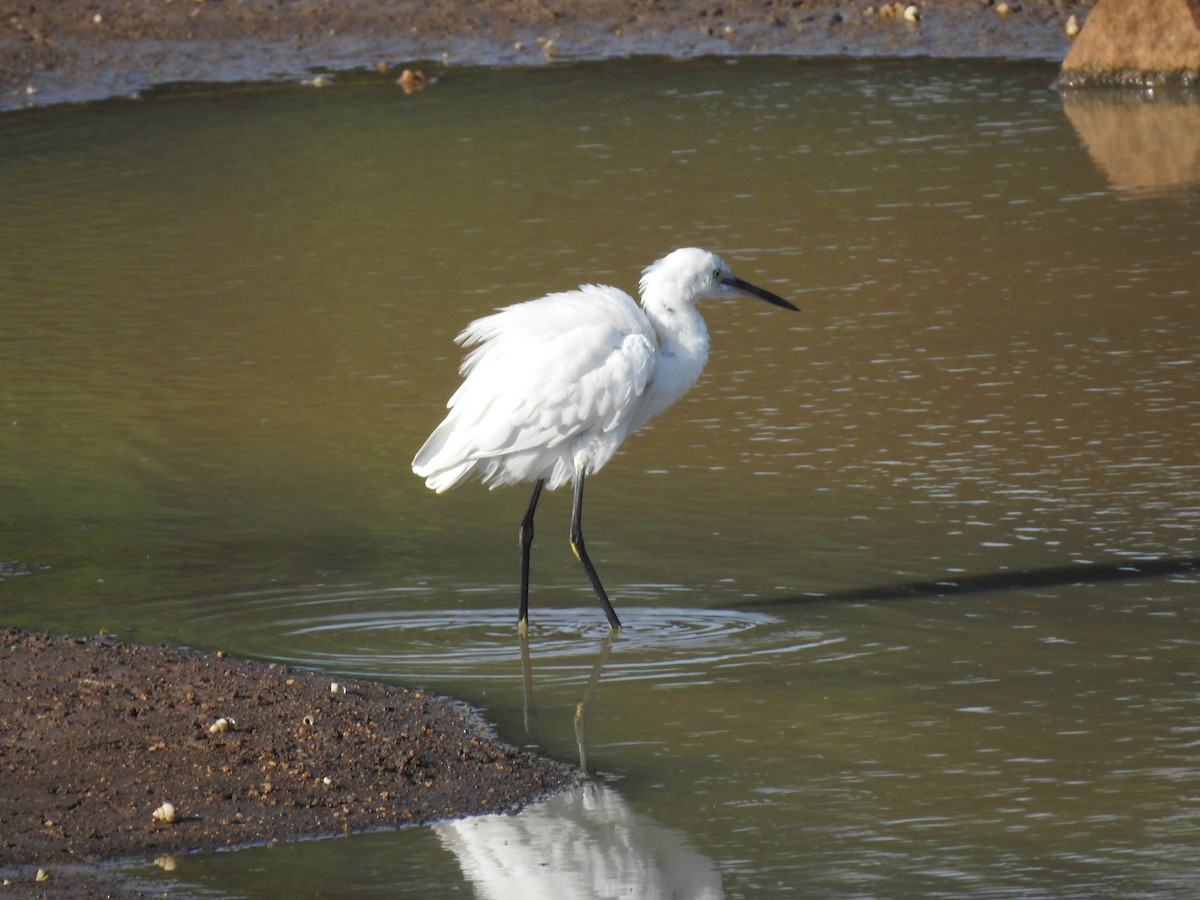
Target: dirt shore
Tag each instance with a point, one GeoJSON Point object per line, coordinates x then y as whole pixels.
{"type": "Point", "coordinates": [54, 51]}
{"type": "Point", "coordinates": [97, 734]}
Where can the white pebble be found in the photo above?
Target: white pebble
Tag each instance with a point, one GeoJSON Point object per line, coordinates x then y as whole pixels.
{"type": "Point", "coordinates": [166, 813]}
{"type": "Point", "coordinates": [911, 13]}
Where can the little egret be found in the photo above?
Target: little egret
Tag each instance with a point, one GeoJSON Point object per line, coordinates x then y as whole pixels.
{"type": "Point", "coordinates": [551, 387]}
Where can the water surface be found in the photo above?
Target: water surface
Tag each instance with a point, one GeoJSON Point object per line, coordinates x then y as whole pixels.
{"type": "Point", "coordinates": [909, 579]}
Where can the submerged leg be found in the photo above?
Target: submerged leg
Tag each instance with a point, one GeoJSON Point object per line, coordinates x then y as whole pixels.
{"type": "Point", "coordinates": [581, 554]}
{"type": "Point", "coordinates": [526, 544]}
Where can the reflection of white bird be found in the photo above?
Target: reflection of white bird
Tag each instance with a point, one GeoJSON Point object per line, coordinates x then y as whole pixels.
{"type": "Point", "coordinates": [586, 843]}
{"type": "Point", "coordinates": [554, 385]}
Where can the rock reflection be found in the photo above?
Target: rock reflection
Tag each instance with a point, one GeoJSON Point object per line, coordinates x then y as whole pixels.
{"type": "Point", "coordinates": [581, 844]}
{"type": "Point", "coordinates": [1143, 143]}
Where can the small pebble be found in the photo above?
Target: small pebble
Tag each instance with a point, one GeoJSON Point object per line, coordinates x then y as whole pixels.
{"type": "Point", "coordinates": [1072, 28]}
{"type": "Point", "coordinates": [412, 80]}
{"type": "Point", "coordinates": [221, 725]}
{"type": "Point", "coordinates": [910, 12]}
{"type": "Point", "coordinates": [166, 813]}
{"type": "Point", "coordinates": [42, 875]}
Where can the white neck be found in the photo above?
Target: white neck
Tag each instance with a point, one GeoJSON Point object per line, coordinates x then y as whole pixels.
{"type": "Point", "coordinates": [682, 351]}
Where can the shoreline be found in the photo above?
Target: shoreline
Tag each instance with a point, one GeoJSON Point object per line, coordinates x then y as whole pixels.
{"type": "Point", "coordinates": [72, 51]}
{"type": "Point", "coordinates": [97, 734]}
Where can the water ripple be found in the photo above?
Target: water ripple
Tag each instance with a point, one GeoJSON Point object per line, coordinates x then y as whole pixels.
{"type": "Point", "coordinates": [393, 633]}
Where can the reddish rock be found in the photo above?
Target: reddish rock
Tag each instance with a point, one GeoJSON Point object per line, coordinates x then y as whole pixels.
{"type": "Point", "coordinates": [1141, 42]}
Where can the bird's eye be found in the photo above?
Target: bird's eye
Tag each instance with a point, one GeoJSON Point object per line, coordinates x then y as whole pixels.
{"type": "Point", "coordinates": [716, 274]}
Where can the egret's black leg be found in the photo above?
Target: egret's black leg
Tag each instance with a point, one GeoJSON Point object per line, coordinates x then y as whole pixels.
{"type": "Point", "coordinates": [581, 554]}
{"type": "Point", "coordinates": [526, 544]}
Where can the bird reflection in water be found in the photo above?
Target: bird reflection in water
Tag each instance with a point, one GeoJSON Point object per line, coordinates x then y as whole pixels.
{"type": "Point", "coordinates": [533, 722]}
{"type": "Point", "coordinates": [586, 842]}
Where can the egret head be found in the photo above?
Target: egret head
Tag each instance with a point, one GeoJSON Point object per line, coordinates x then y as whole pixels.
{"type": "Point", "coordinates": [690, 274]}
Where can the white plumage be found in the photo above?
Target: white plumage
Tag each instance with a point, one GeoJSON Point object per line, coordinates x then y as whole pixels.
{"type": "Point", "coordinates": [549, 382]}
{"type": "Point", "coordinates": [551, 387]}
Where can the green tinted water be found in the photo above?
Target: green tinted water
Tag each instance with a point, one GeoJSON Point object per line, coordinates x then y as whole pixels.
{"type": "Point", "coordinates": [887, 632]}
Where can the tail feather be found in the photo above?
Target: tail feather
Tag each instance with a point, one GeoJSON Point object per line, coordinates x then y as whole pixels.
{"type": "Point", "coordinates": [441, 480]}
{"type": "Point", "coordinates": [431, 462]}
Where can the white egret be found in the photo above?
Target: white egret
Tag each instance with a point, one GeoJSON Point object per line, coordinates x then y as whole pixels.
{"type": "Point", "coordinates": [553, 386]}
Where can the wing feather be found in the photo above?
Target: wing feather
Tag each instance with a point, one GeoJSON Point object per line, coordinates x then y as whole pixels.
{"type": "Point", "coordinates": [547, 385]}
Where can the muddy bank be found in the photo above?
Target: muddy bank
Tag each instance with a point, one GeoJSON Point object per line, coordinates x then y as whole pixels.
{"type": "Point", "coordinates": [70, 50]}
{"type": "Point", "coordinates": [97, 734]}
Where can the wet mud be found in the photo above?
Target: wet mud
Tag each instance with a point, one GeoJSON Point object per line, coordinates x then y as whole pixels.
{"type": "Point", "coordinates": [55, 51]}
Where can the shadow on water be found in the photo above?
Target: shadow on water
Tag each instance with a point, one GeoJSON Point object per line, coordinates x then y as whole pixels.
{"type": "Point", "coordinates": [1019, 579]}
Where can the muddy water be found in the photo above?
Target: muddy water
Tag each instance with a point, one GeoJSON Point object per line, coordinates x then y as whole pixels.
{"type": "Point", "coordinates": [909, 579]}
